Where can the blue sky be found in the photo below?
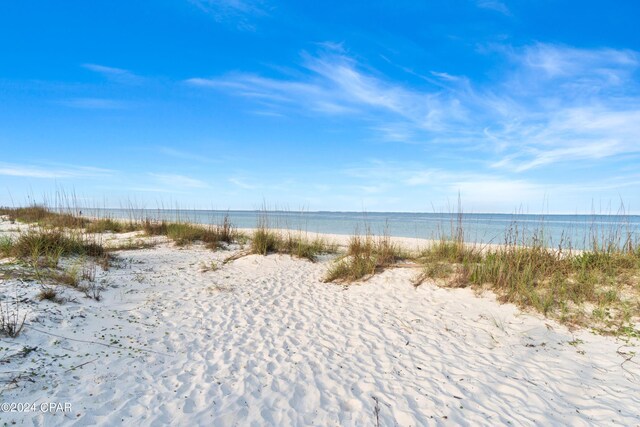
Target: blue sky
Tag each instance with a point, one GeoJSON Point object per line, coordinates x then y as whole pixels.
{"type": "Point", "coordinates": [377, 106]}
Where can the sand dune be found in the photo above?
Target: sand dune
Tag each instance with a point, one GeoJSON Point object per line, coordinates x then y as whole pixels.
{"type": "Point", "coordinates": [262, 341]}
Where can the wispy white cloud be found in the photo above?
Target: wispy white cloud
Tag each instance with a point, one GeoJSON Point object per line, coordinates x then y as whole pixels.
{"type": "Point", "coordinates": [49, 171]}
{"type": "Point", "coordinates": [572, 134]}
{"type": "Point", "coordinates": [552, 104]}
{"type": "Point", "coordinates": [496, 5]}
{"type": "Point", "coordinates": [395, 132]}
{"type": "Point", "coordinates": [181, 154]}
{"type": "Point", "coordinates": [267, 113]}
{"type": "Point", "coordinates": [240, 13]}
{"type": "Point", "coordinates": [178, 181]}
{"type": "Point", "coordinates": [481, 191]}
{"type": "Point", "coordinates": [446, 76]}
{"type": "Point", "coordinates": [263, 89]}
{"type": "Point", "coordinates": [334, 85]}
{"type": "Point", "coordinates": [500, 190]}
{"type": "Point", "coordinates": [119, 75]}
{"type": "Point", "coordinates": [605, 66]}
{"type": "Point", "coordinates": [31, 172]}
{"type": "Point", "coordinates": [242, 183]}
{"type": "Point", "coordinates": [94, 103]}
{"type": "Point", "coordinates": [155, 190]}
{"type": "Point", "coordinates": [564, 104]}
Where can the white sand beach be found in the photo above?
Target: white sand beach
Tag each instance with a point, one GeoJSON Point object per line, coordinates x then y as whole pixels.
{"type": "Point", "coordinates": [179, 338]}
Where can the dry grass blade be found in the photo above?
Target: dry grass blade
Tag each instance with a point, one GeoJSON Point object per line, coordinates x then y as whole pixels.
{"type": "Point", "coordinates": [11, 320]}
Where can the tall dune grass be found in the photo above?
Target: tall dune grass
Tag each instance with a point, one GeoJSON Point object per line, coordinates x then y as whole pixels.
{"type": "Point", "coordinates": [266, 240]}
{"type": "Point", "coordinates": [103, 225]}
{"type": "Point", "coordinates": [598, 286]}
{"type": "Point", "coordinates": [41, 215]}
{"type": "Point", "coordinates": [365, 256]}
{"type": "Point", "coordinates": [183, 233]}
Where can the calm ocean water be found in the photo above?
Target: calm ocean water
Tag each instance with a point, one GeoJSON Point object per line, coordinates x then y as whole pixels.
{"type": "Point", "coordinates": [481, 228]}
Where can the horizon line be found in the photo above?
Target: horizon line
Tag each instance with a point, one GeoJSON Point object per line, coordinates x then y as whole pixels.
{"type": "Point", "coordinates": [364, 212]}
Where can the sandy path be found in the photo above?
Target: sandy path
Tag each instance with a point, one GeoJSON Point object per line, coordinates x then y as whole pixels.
{"type": "Point", "coordinates": [261, 341]}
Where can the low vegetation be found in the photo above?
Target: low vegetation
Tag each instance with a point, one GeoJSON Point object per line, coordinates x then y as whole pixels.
{"type": "Point", "coordinates": [265, 240]}
{"type": "Point", "coordinates": [449, 259]}
{"type": "Point", "coordinates": [12, 319]}
{"type": "Point", "coordinates": [104, 225]}
{"type": "Point", "coordinates": [598, 287]}
{"type": "Point", "coordinates": [52, 244]}
{"type": "Point", "coordinates": [130, 245]}
{"type": "Point", "coordinates": [365, 256]}
{"type": "Point", "coordinates": [6, 246]}
{"type": "Point", "coordinates": [40, 248]}
{"type": "Point", "coordinates": [49, 294]}
{"type": "Point", "coordinates": [64, 219]}
{"type": "Point", "coordinates": [213, 236]}
{"type": "Point", "coordinates": [43, 216]}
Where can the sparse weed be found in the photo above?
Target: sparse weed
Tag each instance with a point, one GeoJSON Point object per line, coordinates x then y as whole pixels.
{"type": "Point", "coordinates": [11, 319]}
{"type": "Point", "coordinates": [49, 294]}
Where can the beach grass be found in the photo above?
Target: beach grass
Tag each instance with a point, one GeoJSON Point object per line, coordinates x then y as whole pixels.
{"type": "Point", "coordinates": [265, 241]}
{"type": "Point", "coordinates": [365, 256]}
{"type": "Point", "coordinates": [598, 287]}
{"type": "Point", "coordinates": [183, 233]}
{"type": "Point", "coordinates": [104, 225]}
{"type": "Point", "coordinates": [50, 237]}
{"type": "Point", "coordinates": [43, 216]}
{"type": "Point", "coordinates": [53, 243]}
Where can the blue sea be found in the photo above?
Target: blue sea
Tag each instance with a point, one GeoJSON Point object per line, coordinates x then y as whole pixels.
{"type": "Point", "coordinates": [577, 231]}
